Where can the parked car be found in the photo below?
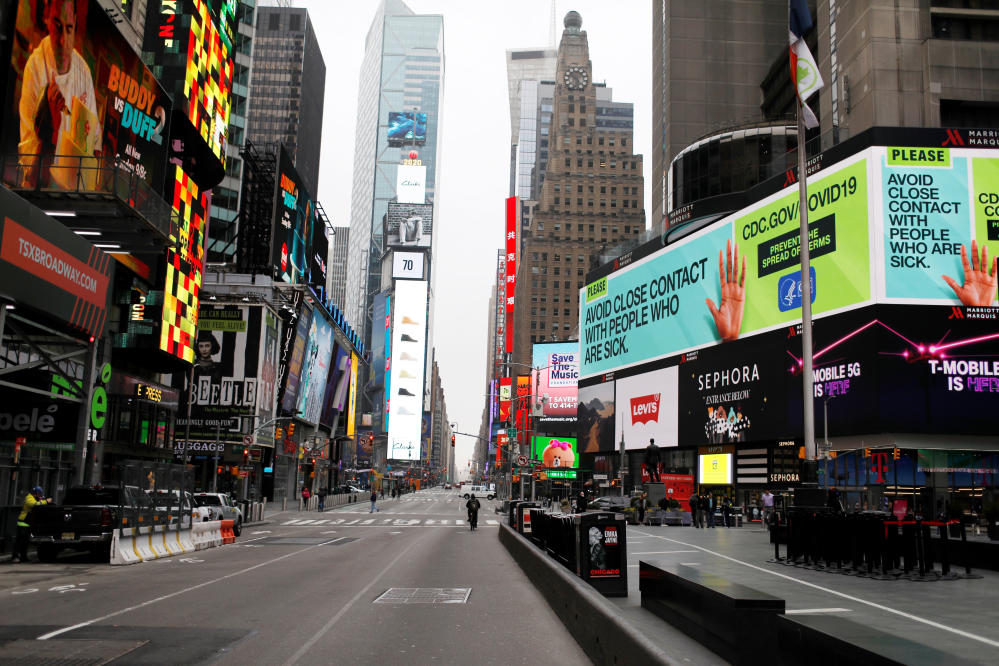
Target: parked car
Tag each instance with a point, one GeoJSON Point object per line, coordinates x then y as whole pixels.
{"type": "Point", "coordinates": [86, 519]}
{"type": "Point", "coordinates": [223, 508]}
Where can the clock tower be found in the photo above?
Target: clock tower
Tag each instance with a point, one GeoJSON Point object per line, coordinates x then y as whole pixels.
{"type": "Point", "coordinates": [590, 201]}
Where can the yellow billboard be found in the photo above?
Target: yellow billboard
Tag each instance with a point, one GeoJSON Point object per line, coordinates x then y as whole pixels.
{"type": "Point", "coordinates": [715, 468]}
{"type": "Point", "coordinates": [352, 397]}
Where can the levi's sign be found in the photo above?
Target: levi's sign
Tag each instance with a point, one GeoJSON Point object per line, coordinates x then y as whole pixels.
{"type": "Point", "coordinates": [645, 409]}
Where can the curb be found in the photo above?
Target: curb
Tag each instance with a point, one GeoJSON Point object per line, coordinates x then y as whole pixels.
{"type": "Point", "coordinates": [593, 621]}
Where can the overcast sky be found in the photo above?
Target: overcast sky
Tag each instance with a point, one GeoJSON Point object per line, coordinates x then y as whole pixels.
{"type": "Point", "coordinates": [473, 174]}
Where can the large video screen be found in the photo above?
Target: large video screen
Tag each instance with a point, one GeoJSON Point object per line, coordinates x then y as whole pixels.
{"type": "Point", "coordinates": [595, 418]}
{"type": "Point", "coordinates": [555, 452]}
{"type": "Point", "coordinates": [409, 225]}
{"type": "Point", "coordinates": [315, 368]}
{"type": "Point", "coordinates": [407, 361]}
{"type": "Point", "coordinates": [294, 217]}
{"type": "Point", "coordinates": [407, 128]}
{"type": "Point", "coordinates": [647, 409]}
{"type": "Point", "coordinates": [555, 380]}
{"type": "Point", "coordinates": [189, 43]}
{"type": "Point", "coordinates": [887, 225]}
{"type": "Point", "coordinates": [80, 98]}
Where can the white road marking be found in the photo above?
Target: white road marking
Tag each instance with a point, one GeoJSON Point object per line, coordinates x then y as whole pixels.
{"type": "Point", "coordinates": [261, 532]}
{"type": "Point", "coordinates": [887, 609]}
{"type": "Point", "coordinates": [395, 532]}
{"type": "Point", "coordinates": [333, 620]}
{"type": "Point", "coordinates": [368, 521]}
{"type": "Point", "coordinates": [150, 602]}
{"type": "Point", "coordinates": [815, 611]}
{"type": "Point", "coordinates": [329, 532]}
{"type": "Point", "coordinates": [664, 552]}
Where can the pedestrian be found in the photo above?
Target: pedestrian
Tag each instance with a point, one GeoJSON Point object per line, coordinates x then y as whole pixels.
{"type": "Point", "coordinates": [694, 502]}
{"type": "Point", "coordinates": [322, 498]}
{"type": "Point", "coordinates": [710, 501]}
{"type": "Point", "coordinates": [640, 508]}
{"type": "Point", "coordinates": [727, 510]}
{"type": "Point", "coordinates": [581, 502]}
{"type": "Point", "coordinates": [768, 508]}
{"type": "Point", "coordinates": [473, 511]}
{"type": "Point", "coordinates": [374, 498]}
{"type": "Point", "coordinates": [31, 500]}
{"type": "Point", "coordinates": [305, 497]}
{"type": "Point", "coordinates": [702, 510]}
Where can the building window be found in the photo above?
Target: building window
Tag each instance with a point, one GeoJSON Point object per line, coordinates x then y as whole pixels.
{"type": "Point", "coordinates": [555, 284]}
{"type": "Point", "coordinates": [579, 189]}
{"type": "Point", "coordinates": [556, 201]}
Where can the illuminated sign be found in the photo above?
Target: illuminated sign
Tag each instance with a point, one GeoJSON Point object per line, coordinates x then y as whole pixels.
{"type": "Point", "coordinates": [512, 247]}
{"type": "Point", "coordinates": [147, 392]}
{"type": "Point", "coordinates": [407, 265]}
{"type": "Point", "coordinates": [294, 217]}
{"type": "Point", "coordinates": [647, 409]}
{"type": "Point", "coordinates": [714, 468]}
{"type": "Point", "coordinates": [411, 184]}
{"type": "Point", "coordinates": [407, 367]}
{"type": "Point", "coordinates": [407, 128]}
{"type": "Point", "coordinates": [555, 452]}
{"type": "Point", "coordinates": [409, 225]}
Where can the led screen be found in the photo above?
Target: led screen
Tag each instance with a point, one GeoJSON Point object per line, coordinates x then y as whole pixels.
{"type": "Point", "coordinates": [714, 469]}
{"type": "Point", "coordinates": [289, 400]}
{"type": "Point", "coordinates": [407, 359]}
{"type": "Point", "coordinates": [647, 409]}
{"type": "Point", "coordinates": [315, 368]}
{"type": "Point", "coordinates": [294, 217]}
{"type": "Point", "coordinates": [411, 184]}
{"type": "Point", "coordinates": [409, 225]}
{"type": "Point", "coordinates": [595, 418]}
{"type": "Point", "coordinates": [112, 110]}
{"type": "Point", "coordinates": [555, 382]}
{"type": "Point", "coordinates": [407, 128]}
{"type": "Point", "coordinates": [555, 452]}
{"type": "Point", "coordinates": [924, 209]}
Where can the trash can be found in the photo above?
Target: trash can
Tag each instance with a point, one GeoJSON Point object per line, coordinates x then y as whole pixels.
{"type": "Point", "coordinates": [601, 551]}
{"type": "Point", "coordinates": [524, 516]}
{"type": "Point", "coordinates": [513, 515]}
{"type": "Point", "coordinates": [539, 523]}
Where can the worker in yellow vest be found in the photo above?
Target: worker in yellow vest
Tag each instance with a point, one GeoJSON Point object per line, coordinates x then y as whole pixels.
{"type": "Point", "coordinates": [33, 499]}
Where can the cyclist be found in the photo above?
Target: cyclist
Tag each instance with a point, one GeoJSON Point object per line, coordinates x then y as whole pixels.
{"type": "Point", "coordinates": [473, 511]}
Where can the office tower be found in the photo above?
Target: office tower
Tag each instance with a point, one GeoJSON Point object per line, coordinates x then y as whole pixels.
{"type": "Point", "coordinates": [224, 229]}
{"type": "Point", "coordinates": [401, 82]}
{"type": "Point", "coordinates": [591, 198]}
{"type": "Point", "coordinates": [930, 64]}
{"type": "Point", "coordinates": [289, 80]}
{"type": "Point", "coordinates": [336, 278]}
{"type": "Point", "coordinates": [526, 70]}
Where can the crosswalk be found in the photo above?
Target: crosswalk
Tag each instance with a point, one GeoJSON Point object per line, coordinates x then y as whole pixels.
{"type": "Point", "coordinates": [385, 522]}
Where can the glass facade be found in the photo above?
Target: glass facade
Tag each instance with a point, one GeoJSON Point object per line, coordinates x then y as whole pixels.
{"type": "Point", "coordinates": [402, 71]}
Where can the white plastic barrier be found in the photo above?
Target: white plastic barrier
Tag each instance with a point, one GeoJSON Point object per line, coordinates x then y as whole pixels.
{"type": "Point", "coordinates": [123, 549]}
{"type": "Point", "coordinates": [185, 539]}
{"type": "Point", "coordinates": [133, 545]}
{"type": "Point", "coordinates": [143, 545]}
{"type": "Point", "coordinates": [207, 535]}
{"type": "Point", "coordinates": [158, 543]}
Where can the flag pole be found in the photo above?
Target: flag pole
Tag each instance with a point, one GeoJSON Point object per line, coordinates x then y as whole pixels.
{"type": "Point", "coordinates": [809, 470]}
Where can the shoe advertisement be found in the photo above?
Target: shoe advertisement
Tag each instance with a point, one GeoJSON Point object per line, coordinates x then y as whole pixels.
{"type": "Point", "coordinates": [407, 360]}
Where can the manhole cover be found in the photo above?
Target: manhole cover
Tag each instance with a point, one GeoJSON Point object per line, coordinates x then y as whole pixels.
{"type": "Point", "coordinates": [424, 595]}
{"type": "Point", "coordinates": [307, 541]}
{"type": "Point", "coordinates": [65, 652]}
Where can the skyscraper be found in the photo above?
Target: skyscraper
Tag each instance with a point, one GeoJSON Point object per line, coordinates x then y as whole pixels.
{"type": "Point", "coordinates": [336, 276]}
{"type": "Point", "coordinates": [591, 197]}
{"type": "Point", "coordinates": [526, 70]}
{"type": "Point", "coordinates": [402, 74]}
{"type": "Point", "coordinates": [289, 80]}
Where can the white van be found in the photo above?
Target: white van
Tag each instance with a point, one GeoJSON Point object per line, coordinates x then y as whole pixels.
{"type": "Point", "coordinates": [489, 492]}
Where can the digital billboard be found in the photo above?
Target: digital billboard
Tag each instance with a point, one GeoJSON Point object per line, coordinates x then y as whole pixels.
{"type": "Point", "coordinates": [294, 217]}
{"type": "Point", "coordinates": [319, 249]}
{"type": "Point", "coordinates": [887, 225]}
{"type": "Point", "coordinates": [352, 399]}
{"type": "Point", "coordinates": [409, 225]}
{"type": "Point", "coordinates": [84, 99]}
{"type": "Point", "coordinates": [45, 265]}
{"type": "Point", "coordinates": [375, 385]}
{"type": "Point", "coordinates": [407, 360]}
{"type": "Point", "coordinates": [315, 368]}
{"type": "Point", "coordinates": [289, 399]}
{"type": "Point", "coordinates": [555, 452]}
{"type": "Point", "coordinates": [189, 43]}
{"type": "Point", "coordinates": [407, 128]}
{"type": "Point", "coordinates": [407, 265]}
{"type": "Point", "coordinates": [595, 418]}
{"type": "Point", "coordinates": [338, 365]}
{"type": "Point", "coordinates": [411, 184]}
{"type": "Point", "coordinates": [647, 409]}
{"type": "Point", "coordinates": [714, 469]}
{"type": "Point", "coordinates": [555, 380]}
{"type": "Point", "coordinates": [226, 380]}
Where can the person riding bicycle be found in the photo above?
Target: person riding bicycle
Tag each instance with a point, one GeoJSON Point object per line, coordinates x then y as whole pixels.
{"type": "Point", "coordinates": [473, 511]}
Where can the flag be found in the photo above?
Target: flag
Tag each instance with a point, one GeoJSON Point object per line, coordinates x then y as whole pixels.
{"type": "Point", "coordinates": [804, 70]}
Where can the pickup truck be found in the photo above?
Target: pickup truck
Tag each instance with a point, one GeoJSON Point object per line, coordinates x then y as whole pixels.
{"type": "Point", "coordinates": [222, 508]}
{"type": "Point", "coordinates": [85, 520]}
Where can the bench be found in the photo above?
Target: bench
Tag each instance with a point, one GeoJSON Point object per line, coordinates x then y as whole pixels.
{"type": "Point", "coordinates": [735, 621]}
{"type": "Point", "coordinates": [831, 640]}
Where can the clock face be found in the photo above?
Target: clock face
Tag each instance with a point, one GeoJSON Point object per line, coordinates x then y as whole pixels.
{"type": "Point", "coordinates": [575, 78]}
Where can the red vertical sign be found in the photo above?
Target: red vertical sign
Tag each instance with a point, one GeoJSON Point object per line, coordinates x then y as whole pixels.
{"type": "Point", "coordinates": [511, 266]}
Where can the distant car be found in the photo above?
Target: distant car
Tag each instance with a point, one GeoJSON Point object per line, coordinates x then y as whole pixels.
{"type": "Point", "coordinates": [482, 491]}
{"type": "Point", "coordinates": [355, 489]}
{"type": "Point", "coordinates": [447, 486]}
{"type": "Point", "coordinates": [610, 503]}
{"type": "Point", "coordinates": [223, 508]}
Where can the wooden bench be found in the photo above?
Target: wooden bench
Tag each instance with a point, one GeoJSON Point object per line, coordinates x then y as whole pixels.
{"type": "Point", "coordinates": [735, 621]}
{"type": "Point", "coordinates": [830, 640]}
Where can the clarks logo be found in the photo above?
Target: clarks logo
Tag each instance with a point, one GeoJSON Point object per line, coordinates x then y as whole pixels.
{"type": "Point", "coordinates": [645, 409]}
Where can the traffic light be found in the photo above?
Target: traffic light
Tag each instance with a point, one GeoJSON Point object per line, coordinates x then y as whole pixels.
{"type": "Point", "coordinates": [279, 433]}
{"type": "Point", "coordinates": [896, 453]}
{"type": "Point", "coordinates": [867, 453]}
{"type": "Point", "coordinates": [246, 456]}
{"type": "Point", "coordinates": [291, 429]}
{"type": "Point", "coordinates": [452, 440]}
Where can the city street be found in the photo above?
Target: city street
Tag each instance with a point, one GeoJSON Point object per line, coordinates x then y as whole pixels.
{"type": "Point", "coordinates": [292, 591]}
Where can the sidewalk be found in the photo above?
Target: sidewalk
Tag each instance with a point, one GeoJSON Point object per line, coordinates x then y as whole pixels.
{"type": "Point", "coordinates": [959, 617]}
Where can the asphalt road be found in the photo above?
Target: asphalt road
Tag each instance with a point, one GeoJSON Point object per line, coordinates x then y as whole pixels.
{"type": "Point", "coordinates": [302, 589]}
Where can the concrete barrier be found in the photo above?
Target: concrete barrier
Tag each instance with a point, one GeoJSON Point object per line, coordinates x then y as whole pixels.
{"type": "Point", "coordinates": [157, 543]}
{"type": "Point", "coordinates": [591, 619]}
{"type": "Point", "coordinates": [123, 550]}
{"type": "Point", "coordinates": [186, 541]}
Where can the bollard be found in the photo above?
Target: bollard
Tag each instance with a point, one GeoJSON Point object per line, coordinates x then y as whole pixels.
{"type": "Point", "coordinates": [944, 547]}
{"type": "Point", "coordinates": [967, 555]}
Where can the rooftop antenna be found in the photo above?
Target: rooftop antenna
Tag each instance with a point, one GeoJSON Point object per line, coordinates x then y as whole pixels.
{"type": "Point", "coordinates": [551, 25]}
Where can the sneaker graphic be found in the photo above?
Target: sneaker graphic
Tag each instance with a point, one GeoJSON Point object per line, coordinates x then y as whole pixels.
{"type": "Point", "coordinates": [404, 412]}
{"type": "Point", "coordinates": [405, 356]}
{"type": "Point", "coordinates": [408, 338]}
{"type": "Point", "coordinates": [406, 374]}
{"type": "Point", "coordinates": [403, 391]}
{"type": "Point", "coordinates": [406, 319]}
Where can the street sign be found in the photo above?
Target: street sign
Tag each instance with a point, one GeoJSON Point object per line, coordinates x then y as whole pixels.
{"type": "Point", "coordinates": [248, 440]}
{"type": "Point", "coordinates": [521, 460]}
